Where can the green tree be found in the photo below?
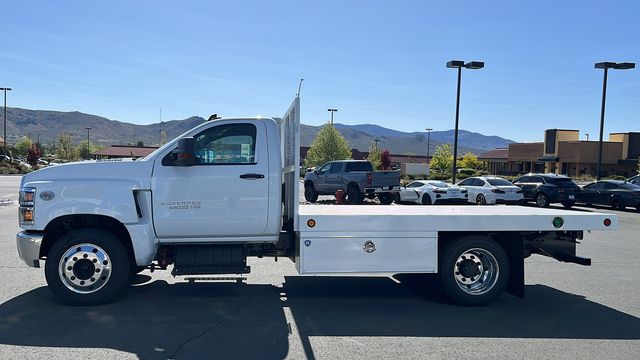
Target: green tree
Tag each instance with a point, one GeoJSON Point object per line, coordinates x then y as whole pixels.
{"type": "Point", "coordinates": [139, 143]}
{"type": "Point", "coordinates": [327, 146]}
{"type": "Point", "coordinates": [442, 160]}
{"type": "Point", "coordinates": [22, 147]}
{"type": "Point", "coordinates": [375, 157]}
{"type": "Point", "coordinates": [84, 152]}
{"type": "Point", "coordinates": [470, 161]}
{"type": "Point", "coordinates": [65, 149]}
{"type": "Point", "coordinates": [638, 171]}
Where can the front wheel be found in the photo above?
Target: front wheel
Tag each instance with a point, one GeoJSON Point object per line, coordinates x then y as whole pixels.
{"type": "Point", "coordinates": [87, 267]}
{"type": "Point", "coordinates": [426, 199]}
{"type": "Point", "coordinates": [481, 200]}
{"type": "Point", "coordinates": [473, 270]}
{"type": "Point", "coordinates": [310, 193]}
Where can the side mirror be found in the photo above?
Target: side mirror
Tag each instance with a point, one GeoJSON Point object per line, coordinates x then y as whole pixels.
{"type": "Point", "coordinates": [185, 156]}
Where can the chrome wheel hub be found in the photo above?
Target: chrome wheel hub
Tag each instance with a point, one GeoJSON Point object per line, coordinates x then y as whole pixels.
{"type": "Point", "coordinates": [85, 268]}
{"type": "Point", "coordinates": [476, 271]}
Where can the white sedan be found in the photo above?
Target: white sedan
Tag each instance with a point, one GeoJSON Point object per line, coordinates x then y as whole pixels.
{"type": "Point", "coordinates": [427, 192]}
{"type": "Point", "coordinates": [492, 190]}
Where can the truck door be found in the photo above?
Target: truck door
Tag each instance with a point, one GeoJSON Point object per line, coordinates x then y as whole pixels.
{"type": "Point", "coordinates": [321, 181]}
{"type": "Point", "coordinates": [334, 177]}
{"type": "Point", "coordinates": [224, 194]}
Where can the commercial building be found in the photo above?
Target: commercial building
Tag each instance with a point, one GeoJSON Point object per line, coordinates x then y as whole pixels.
{"type": "Point", "coordinates": [562, 152]}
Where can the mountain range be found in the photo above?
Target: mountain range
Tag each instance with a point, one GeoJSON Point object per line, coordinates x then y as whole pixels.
{"type": "Point", "coordinates": [45, 126]}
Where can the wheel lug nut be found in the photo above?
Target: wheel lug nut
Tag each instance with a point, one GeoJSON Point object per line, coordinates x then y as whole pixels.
{"type": "Point", "coordinates": [97, 270]}
{"type": "Point", "coordinates": [75, 258]}
{"type": "Point", "coordinates": [95, 260]}
{"type": "Point", "coordinates": [85, 256]}
{"type": "Point", "coordinates": [69, 268]}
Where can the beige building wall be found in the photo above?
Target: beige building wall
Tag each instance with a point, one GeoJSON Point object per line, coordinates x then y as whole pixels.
{"type": "Point", "coordinates": [624, 139]}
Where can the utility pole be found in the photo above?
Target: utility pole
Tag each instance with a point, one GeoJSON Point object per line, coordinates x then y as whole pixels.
{"type": "Point", "coordinates": [428, 143]}
{"type": "Point", "coordinates": [332, 110]}
{"type": "Point", "coordinates": [5, 89]}
{"type": "Point", "coordinates": [88, 144]}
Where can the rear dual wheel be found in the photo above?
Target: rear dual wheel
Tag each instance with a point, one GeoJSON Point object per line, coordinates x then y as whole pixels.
{"type": "Point", "coordinates": [473, 270]}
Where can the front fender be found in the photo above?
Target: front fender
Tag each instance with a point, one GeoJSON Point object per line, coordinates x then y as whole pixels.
{"type": "Point", "coordinates": [113, 198]}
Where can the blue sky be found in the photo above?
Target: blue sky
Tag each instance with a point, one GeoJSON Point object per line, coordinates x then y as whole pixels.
{"type": "Point", "coordinates": [376, 62]}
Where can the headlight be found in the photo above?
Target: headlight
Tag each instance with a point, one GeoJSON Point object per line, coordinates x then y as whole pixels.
{"type": "Point", "coordinates": [27, 195]}
{"type": "Point", "coordinates": [27, 200]}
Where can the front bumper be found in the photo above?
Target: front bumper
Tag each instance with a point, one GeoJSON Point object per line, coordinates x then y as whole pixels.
{"type": "Point", "coordinates": [29, 247]}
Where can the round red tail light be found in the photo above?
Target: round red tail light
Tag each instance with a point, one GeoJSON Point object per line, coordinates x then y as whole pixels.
{"type": "Point", "coordinates": [607, 222]}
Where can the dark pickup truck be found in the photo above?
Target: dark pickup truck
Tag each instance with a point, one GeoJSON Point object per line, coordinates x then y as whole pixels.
{"type": "Point", "coordinates": [355, 177]}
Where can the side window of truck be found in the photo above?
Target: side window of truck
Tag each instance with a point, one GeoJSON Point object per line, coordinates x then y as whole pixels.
{"type": "Point", "coordinates": [226, 144]}
{"type": "Point", "coordinates": [335, 168]}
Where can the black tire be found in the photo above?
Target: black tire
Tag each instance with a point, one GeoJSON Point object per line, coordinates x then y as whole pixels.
{"type": "Point", "coordinates": [568, 204]}
{"type": "Point", "coordinates": [482, 284]}
{"type": "Point", "coordinates": [618, 203]}
{"type": "Point", "coordinates": [426, 199]}
{"type": "Point", "coordinates": [542, 200]}
{"type": "Point", "coordinates": [310, 193]}
{"type": "Point", "coordinates": [638, 207]}
{"type": "Point", "coordinates": [481, 200]}
{"type": "Point", "coordinates": [385, 199]}
{"type": "Point", "coordinates": [354, 196]}
{"type": "Point", "coordinates": [396, 199]}
{"type": "Point", "coordinates": [91, 289]}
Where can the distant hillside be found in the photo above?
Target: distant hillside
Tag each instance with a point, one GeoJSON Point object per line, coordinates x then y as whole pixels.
{"type": "Point", "coordinates": [48, 124]}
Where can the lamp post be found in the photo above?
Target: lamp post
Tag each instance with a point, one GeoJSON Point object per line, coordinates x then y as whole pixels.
{"type": "Point", "coordinates": [428, 143]}
{"type": "Point", "coordinates": [459, 64]}
{"type": "Point", "coordinates": [606, 66]}
{"type": "Point", "coordinates": [332, 111]}
{"type": "Point", "coordinates": [5, 89]}
{"type": "Point", "coordinates": [88, 146]}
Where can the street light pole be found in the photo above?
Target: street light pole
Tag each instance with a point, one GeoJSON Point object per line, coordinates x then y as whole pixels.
{"type": "Point", "coordinates": [606, 66]}
{"type": "Point", "coordinates": [332, 111]}
{"type": "Point", "coordinates": [428, 143]}
{"type": "Point", "coordinates": [5, 89]}
{"type": "Point", "coordinates": [88, 144]}
{"type": "Point", "coordinates": [458, 64]}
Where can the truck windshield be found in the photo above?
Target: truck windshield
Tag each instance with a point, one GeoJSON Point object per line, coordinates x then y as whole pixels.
{"type": "Point", "coordinates": [359, 166]}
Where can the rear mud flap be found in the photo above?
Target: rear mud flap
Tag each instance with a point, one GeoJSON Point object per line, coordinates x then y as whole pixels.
{"type": "Point", "coordinates": [516, 254]}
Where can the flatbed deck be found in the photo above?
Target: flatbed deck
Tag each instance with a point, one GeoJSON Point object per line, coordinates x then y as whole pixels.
{"type": "Point", "coordinates": [340, 218]}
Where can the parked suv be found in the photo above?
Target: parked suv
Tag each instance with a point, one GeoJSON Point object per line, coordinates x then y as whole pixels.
{"type": "Point", "coordinates": [356, 177]}
{"type": "Point", "coordinates": [545, 189]}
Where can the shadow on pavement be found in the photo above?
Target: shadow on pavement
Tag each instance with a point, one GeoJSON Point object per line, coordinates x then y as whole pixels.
{"type": "Point", "coordinates": [226, 320]}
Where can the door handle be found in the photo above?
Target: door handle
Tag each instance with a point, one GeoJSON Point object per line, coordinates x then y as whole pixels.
{"type": "Point", "coordinates": [251, 176]}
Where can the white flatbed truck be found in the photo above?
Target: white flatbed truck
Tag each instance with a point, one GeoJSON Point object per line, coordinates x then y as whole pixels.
{"type": "Point", "coordinates": [228, 189]}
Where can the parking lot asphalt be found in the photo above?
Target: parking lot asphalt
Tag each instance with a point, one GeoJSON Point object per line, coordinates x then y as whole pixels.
{"type": "Point", "coordinates": [570, 311]}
